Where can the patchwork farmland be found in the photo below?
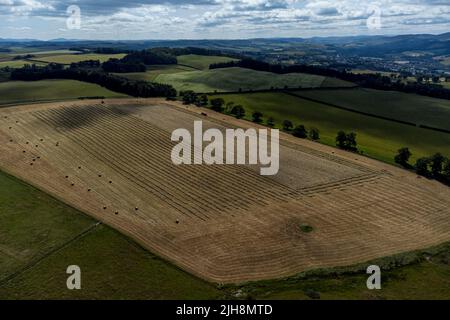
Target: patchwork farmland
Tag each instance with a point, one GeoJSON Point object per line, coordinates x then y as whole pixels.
{"type": "Point", "coordinates": [223, 223]}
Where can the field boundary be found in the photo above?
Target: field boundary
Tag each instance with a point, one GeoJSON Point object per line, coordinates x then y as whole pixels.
{"type": "Point", "coordinates": [281, 90]}
{"type": "Point", "coordinates": [49, 253]}
{"type": "Point", "coordinates": [364, 113]}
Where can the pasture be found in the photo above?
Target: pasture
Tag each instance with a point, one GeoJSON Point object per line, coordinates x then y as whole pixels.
{"type": "Point", "coordinates": [200, 62]}
{"type": "Point", "coordinates": [233, 79]}
{"type": "Point", "coordinates": [377, 138]}
{"type": "Point", "coordinates": [390, 104]}
{"type": "Point", "coordinates": [154, 71]}
{"type": "Point", "coordinates": [13, 92]}
{"type": "Point", "coordinates": [40, 236]}
{"type": "Point", "coordinates": [225, 224]}
{"type": "Point", "coordinates": [71, 58]}
{"type": "Point", "coordinates": [19, 63]}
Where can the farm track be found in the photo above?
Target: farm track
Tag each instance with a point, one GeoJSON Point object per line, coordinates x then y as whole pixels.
{"type": "Point", "coordinates": [222, 223]}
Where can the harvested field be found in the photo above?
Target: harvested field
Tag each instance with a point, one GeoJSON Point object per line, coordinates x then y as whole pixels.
{"type": "Point", "coordinates": [222, 223]}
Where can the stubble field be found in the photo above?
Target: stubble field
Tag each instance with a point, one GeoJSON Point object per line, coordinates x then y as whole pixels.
{"type": "Point", "coordinates": [223, 223]}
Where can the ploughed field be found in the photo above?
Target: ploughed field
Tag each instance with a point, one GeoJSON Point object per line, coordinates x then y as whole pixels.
{"type": "Point", "coordinates": [224, 223]}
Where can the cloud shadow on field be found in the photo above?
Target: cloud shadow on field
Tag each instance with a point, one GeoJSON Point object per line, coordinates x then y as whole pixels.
{"type": "Point", "coordinates": [75, 117]}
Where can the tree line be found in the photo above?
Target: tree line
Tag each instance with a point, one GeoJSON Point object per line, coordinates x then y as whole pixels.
{"type": "Point", "coordinates": [238, 111]}
{"type": "Point", "coordinates": [436, 166]}
{"type": "Point", "coordinates": [135, 88]}
{"type": "Point", "coordinates": [137, 61]}
{"type": "Point", "coordinates": [373, 81]}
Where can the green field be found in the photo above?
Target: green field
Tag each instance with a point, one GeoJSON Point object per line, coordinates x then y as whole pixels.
{"type": "Point", "coordinates": [377, 138]}
{"type": "Point", "coordinates": [446, 85]}
{"type": "Point", "coordinates": [48, 90]}
{"type": "Point", "coordinates": [154, 71]}
{"type": "Point", "coordinates": [391, 104]}
{"type": "Point", "coordinates": [53, 52]}
{"type": "Point", "coordinates": [19, 63]}
{"type": "Point", "coordinates": [40, 237]}
{"type": "Point", "coordinates": [233, 79]}
{"type": "Point", "coordinates": [366, 71]}
{"type": "Point", "coordinates": [201, 62]}
{"type": "Point", "coordinates": [70, 58]}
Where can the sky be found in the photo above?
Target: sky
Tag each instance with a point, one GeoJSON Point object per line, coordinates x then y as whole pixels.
{"type": "Point", "coordinates": [218, 19]}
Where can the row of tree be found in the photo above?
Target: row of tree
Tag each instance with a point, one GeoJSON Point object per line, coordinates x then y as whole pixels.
{"type": "Point", "coordinates": [374, 81]}
{"type": "Point", "coordinates": [137, 61]}
{"type": "Point", "coordinates": [437, 166]}
{"type": "Point", "coordinates": [115, 83]}
{"type": "Point", "coordinates": [238, 111]}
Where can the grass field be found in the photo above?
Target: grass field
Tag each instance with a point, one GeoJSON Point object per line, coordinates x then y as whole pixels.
{"type": "Point", "coordinates": [70, 58]}
{"type": "Point", "coordinates": [154, 71]}
{"type": "Point", "coordinates": [392, 104]}
{"type": "Point", "coordinates": [53, 52]}
{"type": "Point", "coordinates": [45, 90]}
{"type": "Point", "coordinates": [40, 237]}
{"type": "Point", "coordinates": [201, 62]}
{"type": "Point", "coordinates": [446, 85]}
{"type": "Point", "coordinates": [377, 138]}
{"type": "Point", "coordinates": [233, 79]}
{"type": "Point", "coordinates": [19, 63]}
{"type": "Point", "coordinates": [366, 71]}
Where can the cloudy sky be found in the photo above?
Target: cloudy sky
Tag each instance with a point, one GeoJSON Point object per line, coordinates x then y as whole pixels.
{"type": "Point", "coordinates": [224, 19]}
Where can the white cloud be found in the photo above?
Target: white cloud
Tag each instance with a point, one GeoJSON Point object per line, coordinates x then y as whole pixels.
{"type": "Point", "coordinates": [223, 18]}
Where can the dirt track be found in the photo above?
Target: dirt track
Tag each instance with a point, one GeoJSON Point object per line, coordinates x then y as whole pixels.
{"type": "Point", "coordinates": [113, 162]}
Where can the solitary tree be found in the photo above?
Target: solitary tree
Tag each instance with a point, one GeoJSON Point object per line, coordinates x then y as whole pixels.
{"type": "Point", "coordinates": [300, 132]}
{"type": "Point", "coordinates": [257, 117]}
{"type": "Point", "coordinates": [217, 104]}
{"type": "Point", "coordinates": [271, 122]}
{"type": "Point", "coordinates": [314, 134]}
{"type": "Point", "coordinates": [287, 125]}
{"type": "Point", "coordinates": [238, 111]}
{"type": "Point", "coordinates": [403, 156]}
